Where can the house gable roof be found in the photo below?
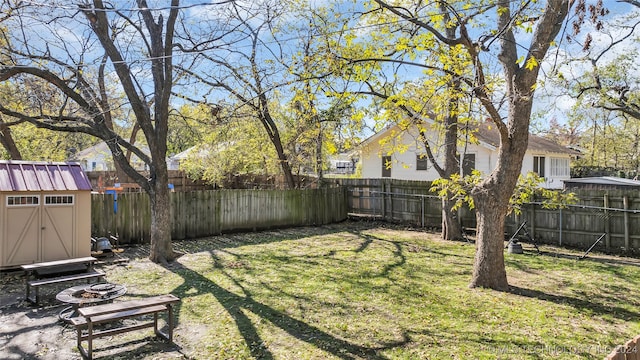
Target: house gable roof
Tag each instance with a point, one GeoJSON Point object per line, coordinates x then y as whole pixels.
{"type": "Point", "coordinates": [42, 176]}
{"type": "Point", "coordinates": [488, 133]}
{"type": "Point", "coordinates": [489, 137]}
{"type": "Point", "coordinates": [196, 150]}
{"type": "Point", "coordinates": [99, 148]}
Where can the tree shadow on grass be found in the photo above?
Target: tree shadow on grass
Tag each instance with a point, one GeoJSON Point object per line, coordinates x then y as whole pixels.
{"type": "Point", "coordinates": [242, 238]}
{"type": "Point", "coordinates": [596, 258]}
{"type": "Point", "coordinates": [580, 304]}
{"type": "Point", "coordinates": [236, 305]}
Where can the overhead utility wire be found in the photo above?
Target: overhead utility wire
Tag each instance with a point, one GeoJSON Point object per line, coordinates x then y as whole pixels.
{"type": "Point", "coordinates": [285, 40]}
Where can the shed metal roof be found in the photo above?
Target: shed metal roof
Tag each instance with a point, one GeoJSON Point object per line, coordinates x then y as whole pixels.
{"type": "Point", "coordinates": [601, 181]}
{"type": "Point", "coordinates": [42, 176]}
{"type": "Point", "coordinates": [604, 180]}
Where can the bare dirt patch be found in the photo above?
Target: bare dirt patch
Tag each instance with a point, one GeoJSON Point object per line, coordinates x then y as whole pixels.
{"type": "Point", "coordinates": [35, 332]}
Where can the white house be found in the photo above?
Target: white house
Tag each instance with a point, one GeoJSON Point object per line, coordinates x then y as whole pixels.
{"type": "Point", "coordinates": [174, 162]}
{"type": "Point", "coordinates": [343, 164]}
{"type": "Point", "coordinates": [98, 158]}
{"type": "Point", "coordinates": [400, 154]}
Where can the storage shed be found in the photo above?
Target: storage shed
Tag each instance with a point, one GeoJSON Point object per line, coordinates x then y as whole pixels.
{"type": "Point", "coordinates": [601, 183]}
{"type": "Point", "coordinates": [45, 212]}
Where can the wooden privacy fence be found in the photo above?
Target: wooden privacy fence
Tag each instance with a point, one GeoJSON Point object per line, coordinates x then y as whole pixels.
{"type": "Point", "coordinates": [399, 200]}
{"type": "Point", "coordinates": [211, 212]}
{"type": "Point", "coordinates": [613, 215]}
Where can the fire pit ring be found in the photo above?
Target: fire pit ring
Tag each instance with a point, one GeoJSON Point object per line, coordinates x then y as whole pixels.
{"type": "Point", "coordinates": [83, 295]}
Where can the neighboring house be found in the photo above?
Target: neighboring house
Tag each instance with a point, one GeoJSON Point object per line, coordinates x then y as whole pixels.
{"type": "Point", "coordinates": [98, 158]}
{"type": "Point", "coordinates": [343, 164]}
{"type": "Point", "coordinates": [399, 154]}
{"type": "Point", "coordinates": [198, 151]}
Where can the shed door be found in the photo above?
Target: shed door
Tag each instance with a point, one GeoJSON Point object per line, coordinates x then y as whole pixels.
{"type": "Point", "coordinates": [58, 227]}
{"type": "Point", "coordinates": [21, 232]}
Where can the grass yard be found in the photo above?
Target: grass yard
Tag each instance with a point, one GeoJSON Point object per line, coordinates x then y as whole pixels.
{"type": "Point", "coordinates": [365, 291]}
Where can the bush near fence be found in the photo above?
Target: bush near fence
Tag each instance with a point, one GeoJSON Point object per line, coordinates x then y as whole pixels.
{"type": "Point", "coordinates": [204, 213]}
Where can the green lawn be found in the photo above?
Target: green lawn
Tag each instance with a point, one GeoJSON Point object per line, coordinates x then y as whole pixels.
{"type": "Point", "coordinates": [360, 290]}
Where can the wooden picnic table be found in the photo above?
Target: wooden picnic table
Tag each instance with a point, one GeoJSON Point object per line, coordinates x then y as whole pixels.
{"type": "Point", "coordinates": [39, 274]}
{"type": "Point", "coordinates": [87, 260]}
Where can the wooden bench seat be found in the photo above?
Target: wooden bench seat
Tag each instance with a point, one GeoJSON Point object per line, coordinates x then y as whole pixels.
{"type": "Point", "coordinates": [110, 313]}
{"type": "Point", "coordinates": [59, 271]}
{"type": "Point", "coordinates": [35, 284]}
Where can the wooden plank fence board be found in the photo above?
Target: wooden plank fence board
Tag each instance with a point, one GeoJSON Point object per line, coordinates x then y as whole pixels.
{"type": "Point", "coordinates": [211, 212]}
{"type": "Point", "coordinates": [616, 213]}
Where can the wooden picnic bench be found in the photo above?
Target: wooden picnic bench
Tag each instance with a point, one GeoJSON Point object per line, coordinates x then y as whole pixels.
{"type": "Point", "coordinates": [109, 313]}
{"type": "Point", "coordinates": [56, 272]}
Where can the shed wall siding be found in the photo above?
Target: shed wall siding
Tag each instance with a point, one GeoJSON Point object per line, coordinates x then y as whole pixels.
{"type": "Point", "coordinates": [34, 232]}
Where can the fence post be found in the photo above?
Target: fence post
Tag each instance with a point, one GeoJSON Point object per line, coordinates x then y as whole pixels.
{"type": "Point", "coordinates": [560, 229]}
{"type": "Point", "coordinates": [423, 210]}
{"type": "Point", "coordinates": [390, 201]}
{"type": "Point", "coordinates": [625, 202]}
{"type": "Point", "coordinates": [383, 200]}
{"type": "Point", "coordinates": [532, 221]}
{"type": "Point", "coordinates": [607, 239]}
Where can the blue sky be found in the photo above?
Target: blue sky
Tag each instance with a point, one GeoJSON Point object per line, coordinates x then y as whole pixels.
{"type": "Point", "coordinates": [72, 36]}
{"type": "Point", "coordinates": [553, 102]}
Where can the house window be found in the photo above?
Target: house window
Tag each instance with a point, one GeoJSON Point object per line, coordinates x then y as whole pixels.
{"type": "Point", "coordinates": [422, 162]}
{"type": "Point", "coordinates": [559, 167]}
{"type": "Point", "coordinates": [468, 164]}
{"type": "Point", "coordinates": [344, 167]}
{"type": "Point", "coordinates": [386, 166]}
{"type": "Point", "coordinates": [58, 200]}
{"type": "Point", "coordinates": [538, 165]}
{"type": "Point", "coordinates": [23, 200]}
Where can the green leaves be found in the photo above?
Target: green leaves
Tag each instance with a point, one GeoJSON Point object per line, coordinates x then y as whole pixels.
{"type": "Point", "coordinates": [528, 190]}
{"type": "Point", "coordinates": [458, 189]}
{"type": "Point", "coordinates": [531, 64]}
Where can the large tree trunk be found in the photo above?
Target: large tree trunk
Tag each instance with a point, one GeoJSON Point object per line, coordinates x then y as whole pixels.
{"type": "Point", "coordinates": [451, 227]}
{"type": "Point", "coordinates": [492, 195]}
{"type": "Point", "coordinates": [284, 165]}
{"type": "Point", "coordinates": [161, 249]}
{"type": "Point", "coordinates": [489, 270]}
{"type": "Point", "coordinates": [491, 198]}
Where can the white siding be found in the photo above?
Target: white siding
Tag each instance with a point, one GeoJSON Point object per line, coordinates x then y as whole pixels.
{"type": "Point", "coordinates": [404, 162]}
{"type": "Point", "coordinates": [551, 182]}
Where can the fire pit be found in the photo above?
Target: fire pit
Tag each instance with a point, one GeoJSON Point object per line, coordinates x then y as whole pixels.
{"type": "Point", "coordinates": [83, 295]}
